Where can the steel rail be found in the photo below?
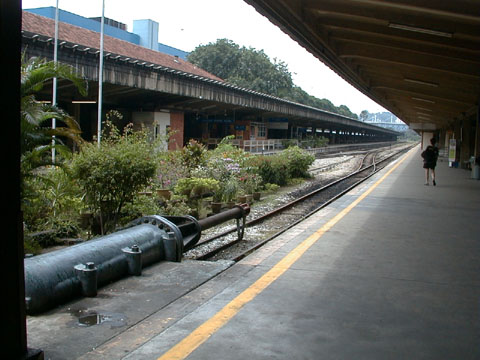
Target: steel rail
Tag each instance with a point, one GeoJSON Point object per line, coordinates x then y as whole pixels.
{"type": "Point", "coordinates": [249, 223]}
{"type": "Point", "coordinates": [286, 206]}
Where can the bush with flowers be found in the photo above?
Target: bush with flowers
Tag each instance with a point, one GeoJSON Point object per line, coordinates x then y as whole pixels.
{"type": "Point", "coordinates": [226, 163]}
{"type": "Point", "coordinates": [272, 169]}
{"type": "Point", "coordinates": [170, 168]}
{"type": "Point", "coordinates": [193, 154]}
{"type": "Point", "coordinates": [250, 182]}
{"type": "Point", "coordinates": [226, 171]}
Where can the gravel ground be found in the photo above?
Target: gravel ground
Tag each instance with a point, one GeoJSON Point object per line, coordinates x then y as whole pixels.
{"type": "Point", "coordinates": [334, 168]}
{"type": "Point", "coordinates": [324, 170]}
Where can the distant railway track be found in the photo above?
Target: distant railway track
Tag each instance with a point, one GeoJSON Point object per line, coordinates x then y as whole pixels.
{"type": "Point", "coordinates": [228, 246]}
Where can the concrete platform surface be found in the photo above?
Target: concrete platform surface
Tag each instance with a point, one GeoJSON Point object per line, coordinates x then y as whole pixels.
{"type": "Point", "coordinates": [389, 271]}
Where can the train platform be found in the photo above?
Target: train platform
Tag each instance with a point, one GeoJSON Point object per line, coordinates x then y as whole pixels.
{"type": "Point", "coordinates": [389, 271]}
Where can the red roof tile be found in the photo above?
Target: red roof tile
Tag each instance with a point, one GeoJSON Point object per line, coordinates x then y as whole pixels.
{"type": "Point", "coordinates": [45, 26]}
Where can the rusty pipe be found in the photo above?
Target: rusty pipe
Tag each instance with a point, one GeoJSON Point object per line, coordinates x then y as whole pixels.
{"type": "Point", "coordinates": [237, 212]}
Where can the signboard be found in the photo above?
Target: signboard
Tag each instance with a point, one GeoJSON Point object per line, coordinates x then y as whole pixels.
{"type": "Point", "coordinates": [452, 150]}
{"type": "Point", "coordinates": [217, 121]}
{"type": "Point", "coordinates": [278, 125]}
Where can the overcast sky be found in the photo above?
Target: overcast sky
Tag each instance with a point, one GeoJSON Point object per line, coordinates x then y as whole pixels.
{"type": "Point", "coordinates": [185, 24]}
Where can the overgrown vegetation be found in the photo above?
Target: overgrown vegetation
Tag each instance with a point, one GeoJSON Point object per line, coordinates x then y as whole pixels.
{"type": "Point", "coordinates": [105, 186]}
{"type": "Point", "coordinates": [102, 186]}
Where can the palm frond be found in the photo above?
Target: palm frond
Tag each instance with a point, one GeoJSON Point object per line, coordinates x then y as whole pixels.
{"type": "Point", "coordinates": [36, 72]}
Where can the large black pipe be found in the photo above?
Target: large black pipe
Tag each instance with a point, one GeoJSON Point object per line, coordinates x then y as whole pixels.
{"type": "Point", "coordinates": [58, 276]}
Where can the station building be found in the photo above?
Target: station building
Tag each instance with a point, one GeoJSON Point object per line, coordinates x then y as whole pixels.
{"type": "Point", "coordinates": [157, 88]}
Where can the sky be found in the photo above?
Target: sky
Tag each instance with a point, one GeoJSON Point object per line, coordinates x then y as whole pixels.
{"type": "Point", "coordinates": [186, 24]}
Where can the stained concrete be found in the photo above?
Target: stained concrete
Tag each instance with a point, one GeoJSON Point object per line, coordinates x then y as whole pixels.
{"type": "Point", "coordinates": [74, 329]}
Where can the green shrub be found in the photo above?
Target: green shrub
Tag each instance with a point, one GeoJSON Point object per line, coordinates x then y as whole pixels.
{"type": "Point", "coordinates": [226, 150]}
{"type": "Point", "coordinates": [176, 206]}
{"type": "Point", "coordinates": [52, 201]}
{"type": "Point", "coordinates": [271, 187]}
{"type": "Point", "coordinates": [314, 142]}
{"type": "Point", "coordinates": [195, 186]}
{"type": "Point", "coordinates": [31, 247]}
{"type": "Point", "coordinates": [298, 161]}
{"type": "Point", "coordinates": [194, 189]}
{"type": "Point", "coordinates": [141, 205]}
{"type": "Point", "coordinates": [113, 172]}
{"type": "Point", "coordinates": [50, 234]}
{"type": "Point", "coordinates": [273, 169]}
{"type": "Point", "coordinates": [289, 142]}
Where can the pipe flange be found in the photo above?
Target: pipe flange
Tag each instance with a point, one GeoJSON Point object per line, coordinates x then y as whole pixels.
{"type": "Point", "coordinates": [165, 225]}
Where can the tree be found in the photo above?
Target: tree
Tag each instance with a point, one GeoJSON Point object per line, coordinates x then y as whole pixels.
{"type": "Point", "coordinates": [221, 58]}
{"type": "Point", "coordinates": [252, 69]}
{"type": "Point", "coordinates": [244, 67]}
{"type": "Point", "coordinates": [36, 133]}
{"type": "Point", "coordinates": [364, 115]}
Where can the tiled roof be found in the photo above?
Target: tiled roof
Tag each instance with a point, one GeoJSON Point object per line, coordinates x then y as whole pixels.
{"type": "Point", "coordinates": [45, 26]}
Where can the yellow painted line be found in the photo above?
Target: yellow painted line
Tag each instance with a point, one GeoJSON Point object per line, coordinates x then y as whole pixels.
{"type": "Point", "coordinates": [209, 327]}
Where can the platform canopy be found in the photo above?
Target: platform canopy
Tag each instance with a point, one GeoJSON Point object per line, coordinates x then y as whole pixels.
{"type": "Point", "coordinates": [420, 59]}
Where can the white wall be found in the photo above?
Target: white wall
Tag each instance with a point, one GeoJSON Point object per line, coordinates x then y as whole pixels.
{"type": "Point", "coordinates": [426, 137]}
{"type": "Point", "coordinates": [156, 122]}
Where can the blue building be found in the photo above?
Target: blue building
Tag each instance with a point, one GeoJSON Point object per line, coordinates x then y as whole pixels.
{"type": "Point", "coordinates": [145, 32]}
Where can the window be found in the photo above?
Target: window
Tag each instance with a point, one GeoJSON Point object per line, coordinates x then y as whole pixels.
{"type": "Point", "coordinates": [261, 129]}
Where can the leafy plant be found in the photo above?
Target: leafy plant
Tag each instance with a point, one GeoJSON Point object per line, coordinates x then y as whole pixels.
{"type": "Point", "coordinates": [113, 172]}
{"type": "Point", "coordinates": [176, 206]}
{"type": "Point", "coordinates": [250, 182]}
{"type": "Point", "coordinates": [193, 154]}
{"type": "Point", "coordinates": [57, 229]}
{"type": "Point", "coordinates": [298, 161]}
{"type": "Point", "coordinates": [230, 189]}
{"type": "Point", "coordinates": [273, 169]}
{"type": "Point", "coordinates": [141, 205]}
{"type": "Point", "coordinates": [194, 189]}
{"type": "Point", "coordinates": [286, 143]}
{"type": "Point", "coordinates": [35, 117]}
{"type": "Point", "coordinates": [314, 142]}
{"type": "Point", "coordinates": [53, 201]}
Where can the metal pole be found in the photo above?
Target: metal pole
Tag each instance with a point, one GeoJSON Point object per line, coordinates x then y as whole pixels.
{"type": "Point", "coordinates": [54, 96]}
{"type": "Point", "coordinates": [100, 78]}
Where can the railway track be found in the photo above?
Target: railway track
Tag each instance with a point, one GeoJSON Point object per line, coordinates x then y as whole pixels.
{"type": "Point", "coordinates": [260, 230]}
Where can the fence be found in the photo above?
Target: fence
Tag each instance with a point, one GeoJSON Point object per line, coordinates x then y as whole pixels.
{"type": "Point", "coordinates": [273, 145]}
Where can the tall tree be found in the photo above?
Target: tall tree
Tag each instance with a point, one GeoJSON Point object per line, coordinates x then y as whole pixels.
{"type": "Point", "coordinates": [364, 115]}
{"type": "Point", "coordinates": [253, 69]}
{"type": "Point", "coordinates": [245, 67]}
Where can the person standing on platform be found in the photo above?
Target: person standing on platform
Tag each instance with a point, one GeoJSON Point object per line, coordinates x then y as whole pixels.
{"type": "Point", "coordinates": [430, 156]}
